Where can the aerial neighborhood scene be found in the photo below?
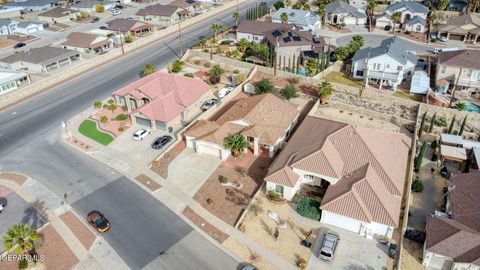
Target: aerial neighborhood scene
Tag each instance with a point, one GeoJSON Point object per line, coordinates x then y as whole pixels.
{"type": "Point", "coordinates": [240, 134]}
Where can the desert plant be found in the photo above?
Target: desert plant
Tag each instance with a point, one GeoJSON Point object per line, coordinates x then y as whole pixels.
{"type": "Point", "coordinates": [309, 208]}
{"type": "Point", "coordinates": [241, 171]}
{"type": "Point", "coordinates": [121, 129]}
{"type": "Point", "coordinates": [149, 69]}
{"type": "Point", "coordinates": [236, 143]}
{"type": "Point", "coordinates": [284, 17]}
{"type": "Point", "coordinates": [222, 179]}
{"type": "Point", "coordinates": [97, 104]}
{"type": "Point", "coordinates": [417, 185]}
{"type": "Point", "coordinates": [293, 80]}
{"type": "Point", "coordinates": [324, 90]}
{"type": "Point", "coordinates": [462, 127]}
{"type": "Point", "coordinates": [302, 263]}
{"type": "Point", "coordinates": [23, 264]}
{"type": "Point", "coordinates": [209, 201]}
{"type": "Point", "coordinates": [256, 207]}
{"type": "Point", "coordinates": [434, 157]}
{"type": "Point", "coordinates": [422, 125]}
{"type": "Point", "coordinates": [461, 106]}
{"type": "Point", "coordinates": [111, 105]}
{"type": "Point", "coordinates": [452, 125]}
{"type": "Point", "coordinates": [215, 74]}
{"type": "Point", "coordinates": [239, 78]}
{"type": "Point", "coordinates": [189, 74]}
{"type": "Point", "coordinates": [289, 92]}
{"type": "Point", "coordinates": [100, 8]}
{"type": "Point", "coordinates": [128, 39]}
{"type": "Point", "coordinates": [432, 123]}
{"type": "Point", "coordinates": [312, 66]}
{"type": "Point", "coordinates": [197, 62]}
{"type": "Point", "coordinates": [103, 119]}
{"type": "Point", "coordinates": [264, 86]}
{"type": "Point", "coordinates": [177, 66]}
{"type": "Point", "coordinates": [419, 158]}
{"type": "Point", "coordinates": [121, 117]}
{"type": "Point", "coordinates": [274, 196]}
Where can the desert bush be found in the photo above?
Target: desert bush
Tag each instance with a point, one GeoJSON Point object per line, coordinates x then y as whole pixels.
{"type": "Point", "coordinates": [309, 208]}
{"type": "Point", "coordinates": [209, 201]}
{"type": "Point", "coordinates": [188, 74]}
{"type": "Point", "coordinates": [207, 64]}
{"type": "Point", "coordinates": [121, 117]}
{"type": "Point", "coordinates": [121, 129]}
{"type": "Point", "coordinates": [222, 179]}
{"type": "Point", "coordinates": [197, 62]}
{"type": "Point", "coordinates": [274, 196]}
{"type": "Point", "coordinates": [417, 185]}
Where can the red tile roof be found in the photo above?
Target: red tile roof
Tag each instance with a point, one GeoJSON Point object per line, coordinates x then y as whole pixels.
{"type": "Point", "coordinates": [169, 94]}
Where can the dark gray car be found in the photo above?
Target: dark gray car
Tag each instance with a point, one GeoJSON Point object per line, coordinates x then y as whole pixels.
{"type": "Point", "coordinates": [161, 142]}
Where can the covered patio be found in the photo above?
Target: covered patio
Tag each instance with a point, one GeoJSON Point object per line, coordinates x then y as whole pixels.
{"type": "Point", "coordinates": [456, 154]}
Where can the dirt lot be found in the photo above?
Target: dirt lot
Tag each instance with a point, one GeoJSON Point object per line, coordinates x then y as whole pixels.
{"type": "Point", "coordinates": [227, 202]}
{"type": "Point", "coordinates": [411, 253]}
{"type": "Point", "coordinates": [247, 255]}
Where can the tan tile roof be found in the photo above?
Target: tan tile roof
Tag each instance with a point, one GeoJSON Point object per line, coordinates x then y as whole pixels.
{"type": "Point", "coordinates": [461, 58]}
{"type": "Point", "coordinates": [371, 165]}
{"type": "Point", "coordinates": [84, 40]}
{"type": "Point", "coordinates": [260, 112]}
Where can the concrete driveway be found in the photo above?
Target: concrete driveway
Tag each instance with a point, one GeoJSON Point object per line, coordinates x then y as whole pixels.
{"type": "Point", "coordinates": [139, 153]}
{"type": "Point", "coordinates": [353, 252]}
{"type": "Point", "coordinates": [190, 170]}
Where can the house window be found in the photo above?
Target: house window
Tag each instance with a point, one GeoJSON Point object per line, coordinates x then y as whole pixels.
{"type": "Point", "coordinates": [399, 68]}
{"type": "Point", "coordinates": [468, 72]}
{"type": "Point", "coordinates": [419, 28]}
{"type": "Point", "coordinates": [388, 66]}
{"type": "Point", "coordinates": [308, 177]}
{"type": "Point", "coordinates": [360, 73]}
{"type": "Point", "coordinates": [443, 69]}
{"type": "Point", "coordinates": [279, 189]}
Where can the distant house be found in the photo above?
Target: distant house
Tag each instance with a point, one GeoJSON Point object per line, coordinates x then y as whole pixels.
{"type": "Point", "coordinates": [90, 6]}
{"type": "Point", "coordinates": [7, 27]}
{"type": "Point", "coordinates": [413, 16]}
{"type": "Point", "coordinates": [55, 15]}
{"type": "Point", "coordinates": [87, 43]}
{"type": "Point", "coordinates": [28, 27]}
{"type": "Point", "coordinates": [358, 4]}
{"type": "Point", "coordinates": [307, 20]}
{"type": "Point", "coordinates": [362, 190]}
{"type": "Point", "coordinates": [32, 5]}
{"type": "Point", "coordinates": [130, 27]}
{"type": "Point", "coordinates": [340, 12]}
{"type": "Point", "coordinates": [164, 101]}
{"type": "Point", "coordinates": [453, 5]}
{"type": "Point", "coordinates": [9, 13]}
{"type": "Point", "coordinates": [10, 80]}
{"type": "Point", "coordinates": [461, 67]}
{"type": "Point", "coordinates": [41, 59]}
{"type": "Point", "coordinates": [256, 118]}
{"type": "Point", "coordinates": [162, 15]}
{"type": "Point", "coordinates": [254, 31]}
{"type": "Point", "coordinates": [465, 28]}
{"type": "Point", "coordinates": [192, 6]}
{"type": "Point", "coordinates": [289, 44]}
{"type": "Point", "coordinates": [388, 64]}
{"type": "Point", "coordinates": [453, 239]}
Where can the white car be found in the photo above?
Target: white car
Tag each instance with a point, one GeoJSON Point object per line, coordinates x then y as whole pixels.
{"type": "Point", "coordinates": [116, 12]}
{"type": "Point", "coordinates": [442, 38]}
{"type": "Point", "coordinates": [140, 134]}
{"type": "Point", "coordinates": [225, 91]}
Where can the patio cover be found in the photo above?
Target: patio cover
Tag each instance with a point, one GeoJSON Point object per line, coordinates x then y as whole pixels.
{"type": "Point", "coordinates": [420, 82]}
{"type": "Point", "coordinates": [453, 153]}
{"type": "Point", "coordinates": [451, 139]}
{"type": "Point", "coordinates": [469, 144]}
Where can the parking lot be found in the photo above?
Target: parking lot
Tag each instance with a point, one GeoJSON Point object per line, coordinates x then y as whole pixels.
{"type": "Point", "coordinates": [139, 153]}
{"type": "Point", "coordinates": [353, 252]}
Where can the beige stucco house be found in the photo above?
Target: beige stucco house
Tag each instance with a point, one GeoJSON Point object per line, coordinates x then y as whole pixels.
{"type": "Point", "coordinates": [458, 67]}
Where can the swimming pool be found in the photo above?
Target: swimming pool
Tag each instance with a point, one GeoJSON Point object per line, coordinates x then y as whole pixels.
{"type": "Point", "coordinates": [472, 107]}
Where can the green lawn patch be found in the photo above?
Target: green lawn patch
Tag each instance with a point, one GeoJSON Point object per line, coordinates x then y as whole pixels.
{"type": "Point", "coordinates": [340, 78]}
{"type": "Point", "coordinates": [309, 208]}
{"type": "Point", "coordinates": [89, 129]}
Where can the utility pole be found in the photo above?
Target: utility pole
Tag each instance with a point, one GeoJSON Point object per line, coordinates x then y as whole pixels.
{"type": "Point", "coordinates": [121, 43]}
{"type": "Point", "coordinates": [180, 37]}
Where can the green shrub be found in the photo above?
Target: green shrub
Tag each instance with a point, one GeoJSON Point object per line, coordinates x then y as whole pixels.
{"type": "Point", "coordinates": [121, 117]}
{"type": "Point", "coordinates": [121, 129]}
{"type": "Point", "coordinates": [434, 157]}
{"type": "Point", "coordinates": [222, 179]}
{"type": "Point", "coordinates": [205, 50]}
{"type": "Point", "coordinates": [239, 78]}
{"type": "Point", "coordinates": [417, 186]}
{"type": "Point", "coordinates": [226, 42]}
{"type": "Point", "coordinates": [128, 39]}
{"type": "Point", "coordinates": [236, 71]}
{"type": "Point", "coordinates": [197, 62]}
{"type": "Point", "coordinates": [274, 196]}
{"type": "Point", "coordinates": [188, 74]}
{"type": "Point", "coordinates": [309, 208]}
{"type": "Point", "coordinates": [434, 145]}
{"type": "Point", "coordinates": [22, 264]}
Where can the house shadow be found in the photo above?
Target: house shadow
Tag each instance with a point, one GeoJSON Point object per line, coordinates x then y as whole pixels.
{"type": "Point", "coordinates": [3, 201]}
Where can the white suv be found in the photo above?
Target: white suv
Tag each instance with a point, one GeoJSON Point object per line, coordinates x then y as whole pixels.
{"type": "Point", "coordinates": [116, 12]}
{"type": "Point", "coordinates": [140, 134]}
{"type": "Point", "coordinates": [225, 91]}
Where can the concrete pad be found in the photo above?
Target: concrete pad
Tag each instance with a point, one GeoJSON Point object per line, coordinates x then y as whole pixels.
{"type": "Point", "coordinates": [189, 170]}
{"type": "Point", "coordinates": [172, 202]}
{"type": "Point", "coordinates": [102, 256]}
{"type": "Point", "coordinates": [46, 197]}
{"type": "Point", "coordinates": [353, 252]}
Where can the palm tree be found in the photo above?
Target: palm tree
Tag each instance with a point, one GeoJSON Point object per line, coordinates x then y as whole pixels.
{"type": "Point", "coordinates": [432, 20]}
{"type": "Point", "coordinates": [325, 90]}
{"type": "Point", "coordinates": [311, 66]}
{"type": "Point", "coordinates": [215, 27]}
{"type": "Point", "coordinates": [236, 17]}
{"type": "Point", "coordinates": [321, 12]}
{"type": "Point", "coordinates": [287, 3]}
{"type": "Point", "coordinates": [396, 19]}
{"type": "Point", "coordinates": [372, 4]}
{"type": "Point", "coordinates": [103, 119]}
{"type": "Point", "coordinates": [215, 74]}
{"type": "Point", "coordinates": [461, 106]}
{"type": "Point", "coordinates": [236, 143]}
{"type": "Point", "coordinates": [284, 17]}
{"type": "Point", "coordinates": [19, 239]}
{"type": "Point", "coordinates": [97, 104]}
{"type": "Point", "coordinates": [242, 45]}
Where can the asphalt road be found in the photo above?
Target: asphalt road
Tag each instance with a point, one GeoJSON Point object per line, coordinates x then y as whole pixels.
{"type": "Point", "coordinates": [142, 227]}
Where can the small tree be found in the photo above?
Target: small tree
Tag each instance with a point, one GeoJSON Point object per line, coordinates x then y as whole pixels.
{"type": "Point", "coordinates": [312, 66]}
{"type": "Point", "coordinates": [325, 90]}
{"type": "Point", "coordinates": [112, 106]}
{"type": "Point", "coordinates": [422, 125]}
{"type": "Point", "coordinates": [432, 123]}
{"type": "Point", "coordinates": [97, 104]}
{"type": "Point", "coordinates": [103, 119]}
{"type": "Point", "coordinates": [442, 4]}
{"type": "Point", "coordinates": [99, 8]}
{"type": "Point", "coordinates": [236, 143]}
{"type": "Point", "coordinates": [238, 79]}
{"type": "Point", "coordinates": [462, 127]}
{"type": "Point", "coordinates": [461, 106]}
{"type": "Point", "coordinates": [284, 17]}
{"type": "Point", "coordinates": [128, 39]}
{"type": "Point", "coordinates": [417, 185]}
{"type": "Point", "coordinates": [215, 74]}
{"type": "Point", "coordinates": [236, 17]}
{"type": "Point", "coordinates": [396, 19]}
{"type": "Point", "coordinates": [177, 66]}
{"type": "Point", "coordinates": [452, 125]}
{"type": "Point", "coordinates": [20, 239]}
{"type": "Point", "coordinates": [419, 158]}
{"type": "Point", "coordinates": [264, 86]}
{"type": "Point", "coordinates": [242, 45]}
{"type": "Point", "coordinates": [371, 5]}
{"type": "Point", "coordinates": [149, 69]}
{"type": "Point", "coordinates": [289, 92]}
{"type": "Point", "coordinates": [278, 5]}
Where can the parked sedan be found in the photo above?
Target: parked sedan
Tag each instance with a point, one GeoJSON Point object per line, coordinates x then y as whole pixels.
{"type": "Point", "coordinates": [208, 104]}
{"type": "Point", "coordinates": [225, 91]}
{"type": "Point", "coordinates": [19, 45]}
{"type": "Point", "coordinates": [98, 221]}
{"type": "Point", "coordinates": [95, 19]}
{"type": "Point", "coordinates": [329, 244]}
{"type": "Point", "coordinates": [140, 134]}
{"type": "Point", "coordinates": [103, 27]}
{"type": "Point", "coordinates": [442, 38]}
{"type": "Point", "coordinates": [116, 12]}
{"type": "Point", "coordinates": [161, 141]}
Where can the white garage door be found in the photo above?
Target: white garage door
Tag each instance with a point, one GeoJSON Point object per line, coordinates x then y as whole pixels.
{"type": "Point", "coordinates": [142, 121]}
{"type": "Point", "coordinates": [350, 20]}
{"type": "Point", "coordinates": [32, 30]}
{"type": "Point", "coordinates": [439, 263]}
{"type": "Point", "coordinates": [341, 222]}
{"type": "Point", "coordinates": [208, 150]}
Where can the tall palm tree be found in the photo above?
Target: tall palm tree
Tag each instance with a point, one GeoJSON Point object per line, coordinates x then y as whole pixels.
{"type": "Point", "coordinates": [236, 17]}
{"type": "Point", "coordinates": [325, 90]}
{"type": "Point", "coordinates": [432, 20]}
{"type": "Point", "coordinates": [284, 17]}
{"type": "Point", "coordinates": [321, 12]}
{"type": "Point", "coordinates": [396, 19]}
{"type": "Point", "coordinates": [242, 45]}
{"type": "Point", "coordinates": [236, 143]}
{"type": "Point", "coordinates": [371, 5]}
{"type": "Point", "coordinates": [215, 27]}
{"type": "Point", "coordinates": [19, 239]}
